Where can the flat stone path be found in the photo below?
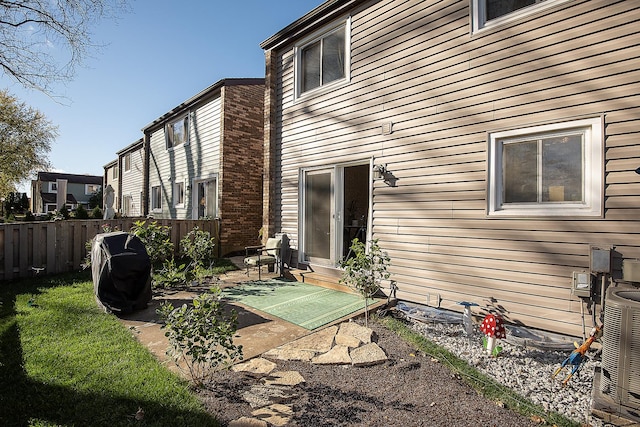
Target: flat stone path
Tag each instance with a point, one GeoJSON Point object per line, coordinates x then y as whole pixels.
{"type": "Point", "coordinates": [271, 397]}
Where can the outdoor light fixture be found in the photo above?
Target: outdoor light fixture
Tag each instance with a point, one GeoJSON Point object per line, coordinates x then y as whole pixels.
{"type": "Point", "coordinates": [379, 171]}
{"type": "Point", "coordinates": [638, 171]}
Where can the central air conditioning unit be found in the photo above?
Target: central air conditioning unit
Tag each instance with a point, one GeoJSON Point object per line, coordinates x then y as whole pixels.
{"type": "Point", "coordinates": [617, 386]}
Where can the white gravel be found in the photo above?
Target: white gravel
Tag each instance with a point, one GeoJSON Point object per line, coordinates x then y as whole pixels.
{"type": "Point", "coordinates": [527, 371]}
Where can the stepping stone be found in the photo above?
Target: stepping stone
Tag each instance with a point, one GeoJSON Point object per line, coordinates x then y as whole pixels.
{"type": "Point", "coordinates": [277, 414]}
{"type": "Point", "coordinates": [248, 422]}
{"type": "Point", "coordinates": [319, 342]}
{"type": "Point", "coordinates": [284, 378]}
{"type": "Point", "coordinates": [257, 367]}
{"type": "Point", "coordinates": [260, 395]}
{"type": "Point", "coordinates": [367, 355]}
{"type": "Point", "coordinates": [338, 355]}
{"type": "Point", "coordinates": [289, 353]}
{"type": "Point", "coordinates": [350, 330]}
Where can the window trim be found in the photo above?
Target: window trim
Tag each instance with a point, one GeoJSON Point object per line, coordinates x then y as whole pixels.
{"type": "Point", "coordinates": [479, 23]}
{"type": "Point", "coordinates": [127, 162]}
{"type": "Point", "coordinates": [179, 188]}
{"type": "Point", "coordinates": [90, 193]}
{"type": "Point", "coordinates": [168, 131]}
{"type": "Point", "coordinates": [127, 203]}
{"type": "Point", "coordinates": [53, 187]}
{"type": "Point", "coordinates": [593, 172]}
{"type": "Point", "coordinates": [297, 59]}
{"type": "Point", "coordinates": [156, 197]}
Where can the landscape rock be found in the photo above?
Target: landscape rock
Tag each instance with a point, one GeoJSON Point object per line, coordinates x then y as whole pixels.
{"type": "Point", "coordinates": [276, 414]}
{"type": "Point", "coordinates": [367, 355]}
{"type": "Point", "coordinates": [355, 330]}
{"type": "Point", "coordinates": [256, 367]}
{"type": "Point", "coordinates": [338, 355]}
{"type": "Point", "coordinates": [248, 422]}
{"type": "Point", "coordinates": [284, 378]}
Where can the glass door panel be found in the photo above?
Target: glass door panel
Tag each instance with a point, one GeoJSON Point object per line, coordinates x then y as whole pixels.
{"type": "Point", "coordinates": [318, 217]}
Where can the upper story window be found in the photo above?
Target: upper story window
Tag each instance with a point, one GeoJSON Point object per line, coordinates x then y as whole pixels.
{"type": "Point", "coordinates": [127, 162]}
{"type": "Point", "coordinates": [91, 188]}
{"type": "Point", "coordinates": [53, 187]}
{"type": "Point", "coordinates": [114, 172]}
{"type": "Point", "coordinates": [177, 132]}
{"type": "Point", "coordinates": [491, 12]}
{"type": "Point", "coordinates": [323, 59]}
{"type": "Point", "coordinates": [550, 170]}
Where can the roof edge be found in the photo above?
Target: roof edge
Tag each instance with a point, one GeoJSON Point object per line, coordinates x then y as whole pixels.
{"type": "Point", "coordinates": [325, 11]}
{"type": "Point", "coordinates": [201, 95]}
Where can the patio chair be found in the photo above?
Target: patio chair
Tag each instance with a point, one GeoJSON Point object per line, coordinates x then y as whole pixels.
{"type": "Point", "coordinates": [268, 254]}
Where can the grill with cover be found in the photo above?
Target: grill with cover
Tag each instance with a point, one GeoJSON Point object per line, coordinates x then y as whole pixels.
{"type": "Point", "coordinates": [121, 271]}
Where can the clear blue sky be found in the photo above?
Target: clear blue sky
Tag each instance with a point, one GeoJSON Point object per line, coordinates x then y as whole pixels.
{"type": "Point", "coordinates": [156, 56]}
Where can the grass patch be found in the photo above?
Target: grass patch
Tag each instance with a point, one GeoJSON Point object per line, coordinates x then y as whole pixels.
{"type": "Point", "coordinates": [63, 361]}
{"type": "Point", "coordinates": [483, 384]}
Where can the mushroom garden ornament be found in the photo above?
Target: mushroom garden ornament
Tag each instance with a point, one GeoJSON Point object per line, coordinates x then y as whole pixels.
{"type": "Point", "coordinates": [493, 327]}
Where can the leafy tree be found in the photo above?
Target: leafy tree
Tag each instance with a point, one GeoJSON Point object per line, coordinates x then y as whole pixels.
{"type": "Point", "coordinates": [25, 141]}
{"type": "Point", "coordinates": [24, 202]}
{"type": "Point", "coordinates": [95, 201]}
{"type": "Point", "coordinates": [13, 203]}
{"type": "Point", "coordinates": [42, 42]}
{"type": "Point", "coordinates": [156, 239]}
{"type": "Point", "coordinates": [201, 335]}
{"type": "Point", "coordinates": [81, 213]}
{"type": "Point", "coordinates": [364, 271]}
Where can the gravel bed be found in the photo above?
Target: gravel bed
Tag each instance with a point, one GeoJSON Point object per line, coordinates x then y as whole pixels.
{"type": "Point", "coordinates": [527, 371]}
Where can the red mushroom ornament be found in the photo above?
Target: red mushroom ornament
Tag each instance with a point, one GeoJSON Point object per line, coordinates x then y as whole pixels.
{"type": "Point", "coordinates": [493, 327]}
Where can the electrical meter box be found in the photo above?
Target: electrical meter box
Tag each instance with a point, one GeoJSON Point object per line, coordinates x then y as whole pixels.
{"type": "Point", "coordinates": [600, 260]}
{"type": "Point", "coordinates": [581, 284]}
{"type": "Point", "coordinates": [631, 270]}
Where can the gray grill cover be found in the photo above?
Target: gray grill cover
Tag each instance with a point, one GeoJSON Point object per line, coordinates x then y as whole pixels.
{"type": "Point", "coordinates": [121, 271]}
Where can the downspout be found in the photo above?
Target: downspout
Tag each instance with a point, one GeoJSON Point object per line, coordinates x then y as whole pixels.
{"type": "Point", "coordinates": [145, 175]}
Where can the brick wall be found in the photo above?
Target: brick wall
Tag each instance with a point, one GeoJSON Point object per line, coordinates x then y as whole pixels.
{"type": "Point", "coordinates": [242, 157]}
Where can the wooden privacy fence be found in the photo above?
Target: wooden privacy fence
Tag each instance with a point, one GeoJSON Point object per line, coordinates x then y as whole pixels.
{"type": "Point", "coordinates": [50, 247]}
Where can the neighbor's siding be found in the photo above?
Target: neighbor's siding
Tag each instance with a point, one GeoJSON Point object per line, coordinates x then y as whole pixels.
{"type": "Point", "coordinates": [200, 158]}
{"type": "Point", "coordinates": [133, 181]}
{"type": "Point", "coordinates": [414, 63]}
{"type": "Point", "coordinates": [114, 182]}
{"type": "Point", "coordinates": [240, 209]}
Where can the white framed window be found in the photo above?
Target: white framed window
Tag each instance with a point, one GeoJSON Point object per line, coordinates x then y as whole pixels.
{"type": "Point", "coordinates": [90, 189]}
{"type": "Point", "coordinates": [323, 59]}
{"type": "Point", "coordinates": [127, 162]}
{"type": "Point", "coordinates": [488, 13]}
{"type": "Point", "coordinates": [114, 173]}
{"type": "Point", "coordinates": [547, 170]}
{"type": "Point", "coordinates": [127, 202]}
{"type": "Point", "coordinates": [177, 132]}
{"type": "Point", "coordinates": [205, 198]}
{"type": "Point", "coordinates": [178, 194]}
{"type": "Point", "coordinates": [156, 198]}
{"type": "Point", "coordinates": [53, 187]}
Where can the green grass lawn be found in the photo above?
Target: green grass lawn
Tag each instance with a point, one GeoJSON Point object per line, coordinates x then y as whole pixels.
{"type": "Point", "coordinates": [65, 362]}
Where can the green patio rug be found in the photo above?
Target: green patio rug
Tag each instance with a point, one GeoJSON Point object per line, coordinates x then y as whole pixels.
{"type": "Point", "coordinates": [302, 304]}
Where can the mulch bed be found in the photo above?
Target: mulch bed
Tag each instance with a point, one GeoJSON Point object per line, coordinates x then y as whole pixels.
{"type": "Point", "coordinates": [410, 389]}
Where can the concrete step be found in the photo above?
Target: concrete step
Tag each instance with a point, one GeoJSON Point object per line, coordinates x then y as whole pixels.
{"type": "Point", "coordinates": [319, 279]}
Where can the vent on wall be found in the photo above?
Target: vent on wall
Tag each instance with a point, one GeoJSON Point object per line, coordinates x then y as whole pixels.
{"type": "Point", "coordinates": [619, 382]}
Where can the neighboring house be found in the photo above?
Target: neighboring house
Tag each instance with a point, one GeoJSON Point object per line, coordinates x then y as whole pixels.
{"type": "Point", "coordinates": [112, 178]}
{"type": "Point", "coordinates": [205, 160]}
{"type": "Point", "coordinates": [131, 162]}
{"type": "Point", "coordinates": [79, 189]}
{"type": "Point", "coordinates": [492, 151]}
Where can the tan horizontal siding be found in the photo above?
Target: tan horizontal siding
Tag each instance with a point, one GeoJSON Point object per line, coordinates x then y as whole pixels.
{"type": "Point", "coordinates": [414, 63]}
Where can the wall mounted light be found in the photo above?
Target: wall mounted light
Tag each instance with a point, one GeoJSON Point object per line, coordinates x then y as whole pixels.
{"type": "Point", "coordinates": [379, 171]}
{"type": "Point", "coordinates": [638, 171]}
